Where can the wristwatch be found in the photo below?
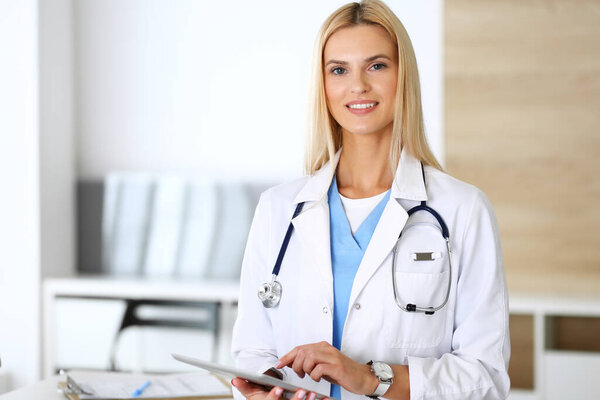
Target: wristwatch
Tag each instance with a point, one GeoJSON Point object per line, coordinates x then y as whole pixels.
{"type": "Point", "coordinates": [385, 374]}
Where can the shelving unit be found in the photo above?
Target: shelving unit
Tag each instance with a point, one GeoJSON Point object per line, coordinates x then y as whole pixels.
{"type": "Point", "coordinates": [559, 372]}
{"type": "Point", "coordinates": [82, 314]}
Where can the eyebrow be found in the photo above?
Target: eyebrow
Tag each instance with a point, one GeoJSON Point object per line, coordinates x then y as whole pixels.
{"type": "Point", "coordinates": [369, 59]}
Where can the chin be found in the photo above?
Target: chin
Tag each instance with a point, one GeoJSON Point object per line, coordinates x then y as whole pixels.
{"type": "Point", "coordinates": [363, 130]}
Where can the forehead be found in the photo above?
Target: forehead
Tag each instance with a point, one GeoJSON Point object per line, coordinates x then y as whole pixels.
{"type": "Point", "coordinates": [359, 41]}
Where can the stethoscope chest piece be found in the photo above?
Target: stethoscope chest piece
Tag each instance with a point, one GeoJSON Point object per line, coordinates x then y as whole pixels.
{"type": "Point", "coordinates": [270, 293]}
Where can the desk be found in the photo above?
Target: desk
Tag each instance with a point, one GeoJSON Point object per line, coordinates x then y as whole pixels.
{"type": "Point", "coordinates": [44, 390]}
{"type": "Point", "coordinates": [225, 293]}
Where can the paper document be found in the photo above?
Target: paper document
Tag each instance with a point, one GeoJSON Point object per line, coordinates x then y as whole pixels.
{"type": "Point", "coordinates": [102, 385]}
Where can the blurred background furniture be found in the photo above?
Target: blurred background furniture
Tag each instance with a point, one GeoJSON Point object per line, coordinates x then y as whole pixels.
{"type": "Point", "coordinates": [555, 347]}
{"type": "Point", "coordinates": [159, 258]}
{"type": "Point", "coordinates": [84, 315]}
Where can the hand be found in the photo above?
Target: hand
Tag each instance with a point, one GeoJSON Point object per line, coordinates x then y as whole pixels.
{"type": "Point", "coordinates": [252, 391]}
{"type": "Point", "coordinates": [322, 360]}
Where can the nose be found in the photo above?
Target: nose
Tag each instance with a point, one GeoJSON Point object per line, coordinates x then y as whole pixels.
{"type": "Point", "coordinates": [360, 84]}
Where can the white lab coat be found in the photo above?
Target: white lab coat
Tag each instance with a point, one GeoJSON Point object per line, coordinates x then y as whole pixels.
{"type": "Point", "coordinates": [460, 352]}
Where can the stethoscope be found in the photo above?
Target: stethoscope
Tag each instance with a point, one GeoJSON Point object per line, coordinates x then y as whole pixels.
{"type": "Point", "coordinates": [270, 292]}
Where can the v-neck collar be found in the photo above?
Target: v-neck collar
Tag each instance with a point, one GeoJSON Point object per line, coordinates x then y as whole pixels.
{"type": "Point", "coordinates": [342, 230]}
{"type": "Point", "coordinates": [408, 180]}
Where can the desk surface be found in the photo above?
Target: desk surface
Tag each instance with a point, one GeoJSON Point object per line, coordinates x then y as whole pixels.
{"type": "Point", "coordinates": [45, 390]}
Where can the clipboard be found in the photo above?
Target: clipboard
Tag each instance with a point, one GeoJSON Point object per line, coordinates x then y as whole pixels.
{"type": "Point", "coordinates": [89, 385]}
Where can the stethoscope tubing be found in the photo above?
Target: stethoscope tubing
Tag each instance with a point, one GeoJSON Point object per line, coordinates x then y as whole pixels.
{"type": "Point", "coordinates": [286, 241]}
{"type": "Point", "coordinates": [270, 292]}
{"type": "Point", "coordinates": [413, 307]}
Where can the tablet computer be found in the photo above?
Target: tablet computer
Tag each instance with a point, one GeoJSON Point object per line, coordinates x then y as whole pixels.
{"type": "Point", "coordinates": [230, 373]}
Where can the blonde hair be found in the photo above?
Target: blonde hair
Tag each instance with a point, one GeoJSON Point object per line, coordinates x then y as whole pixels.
{"type": "Point", "coordinates": [325, 136]}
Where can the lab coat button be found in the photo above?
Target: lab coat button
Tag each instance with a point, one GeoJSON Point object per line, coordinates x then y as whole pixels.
{"type": "Point", "coordinates": [357, 306]}
{"type": "Point", "coordinates": [325, 310]}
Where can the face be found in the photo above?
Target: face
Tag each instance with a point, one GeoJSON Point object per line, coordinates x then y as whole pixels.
{"type": "Point", "coordinates": [361, 74]}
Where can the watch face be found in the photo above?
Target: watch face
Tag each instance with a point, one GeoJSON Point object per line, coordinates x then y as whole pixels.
{"type": "Point", "coordinates": [383, 371]}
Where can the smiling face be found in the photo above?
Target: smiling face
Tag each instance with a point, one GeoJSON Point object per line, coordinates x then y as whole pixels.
{"type": "Point", "coordinates": [361, 75]}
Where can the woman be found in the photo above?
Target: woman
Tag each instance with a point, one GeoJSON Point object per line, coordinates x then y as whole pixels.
{"type": "Point", "coordinates": [362, 312]}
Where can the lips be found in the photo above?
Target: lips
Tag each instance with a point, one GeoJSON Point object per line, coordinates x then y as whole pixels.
{"type": "Point", "coordinates": [360, 107]}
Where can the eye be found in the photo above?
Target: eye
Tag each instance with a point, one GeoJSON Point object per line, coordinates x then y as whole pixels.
{"type": "Point", "coordinates": [378, 66]}
{"type": "Point", "coordinates": [338, 71]}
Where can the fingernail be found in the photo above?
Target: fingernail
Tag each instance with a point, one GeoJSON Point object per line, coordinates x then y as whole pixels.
{"type": "Point", "coordinates": [277, 364]}
{"type": "Point", "coordinates": [232, 384]}
{"type": "Point", "coordinates": [312, 396]}
{"type": "Point", "coordinates": [301, 393]}
{"type": "Point", "coordinates": [278, 391]}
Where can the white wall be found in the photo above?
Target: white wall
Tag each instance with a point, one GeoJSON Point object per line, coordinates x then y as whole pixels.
{"type": "Point", "coordinates": [149, 84]}
{"type": "Point", "coordinates": [19, 193]}
{"type": "Point", "coordinates": [57, 147]}
{"type": "Point", "coordinates": [197, 86]}
{"type": "Point", "coordinates": [37, 171]}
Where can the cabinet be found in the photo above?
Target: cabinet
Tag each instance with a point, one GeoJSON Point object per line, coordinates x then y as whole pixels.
{"type": "Point", "coordinates": [82, 316]}
{"type": "Point", "coordinates": [555, 346]}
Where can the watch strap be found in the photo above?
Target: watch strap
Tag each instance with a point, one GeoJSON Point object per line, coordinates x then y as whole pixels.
{"type": "Point", "coordinates": [383, 385]}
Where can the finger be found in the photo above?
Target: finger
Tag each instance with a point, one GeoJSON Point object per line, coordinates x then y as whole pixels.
{"type": "Point", "coordinates": [309, 363]}
{"type": "Point", "coordinates": [317, 355]}
{"type": "Point", "coordinates": [300, 394]}
{"type": "Point", "coordinates": [298, 363]}
{"type": "Point", "coordinates": [311, 396]}
{"type": "Point", "coordinates": [324, 371]}
{"type": "Point", "coordinates": [288, 358]}
{"type": "Point", "coordinates": [275, 393]}
{"type": "Point", "coordinates": [246, 388]}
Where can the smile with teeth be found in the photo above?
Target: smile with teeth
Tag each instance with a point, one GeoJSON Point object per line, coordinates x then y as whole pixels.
{"type": "Point", "coordinates": [361, 106]}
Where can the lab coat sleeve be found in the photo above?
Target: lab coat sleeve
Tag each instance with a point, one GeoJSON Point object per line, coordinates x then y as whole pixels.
{"type": "Point", "coordinates": [253, 344]}
{"type": "Point", "coordinates": [477, 366]}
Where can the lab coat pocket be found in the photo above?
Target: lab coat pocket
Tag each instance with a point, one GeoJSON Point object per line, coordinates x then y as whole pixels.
{"type": "Point", "coordinates": [416, 329]}
{"type": "Point", "coordinates": [421, 247]}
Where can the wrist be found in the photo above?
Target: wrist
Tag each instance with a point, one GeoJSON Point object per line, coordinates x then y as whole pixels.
{"type": "Point", "coordinates": [371, 381]}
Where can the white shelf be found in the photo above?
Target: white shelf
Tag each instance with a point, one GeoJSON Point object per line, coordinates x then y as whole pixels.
{"type": "Point", "coordinates": [106, 295]}
{"type": "Point", "coordinates": [136, 288]}
{"type": "Point", "coordinates": [551, 380]}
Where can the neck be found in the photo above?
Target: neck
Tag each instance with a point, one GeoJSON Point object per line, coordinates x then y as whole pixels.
{"type": "Point", "coordinates": [364, 169]}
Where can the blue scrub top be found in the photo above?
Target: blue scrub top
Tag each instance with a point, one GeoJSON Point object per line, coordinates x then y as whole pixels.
{"type": "Point", "coordinates": [347, 251]}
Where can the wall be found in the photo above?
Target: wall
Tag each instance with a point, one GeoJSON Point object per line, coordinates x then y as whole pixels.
{"type": "Point", "coordinates": [522, 101]}
{"type": "Point", "coordinates": [19, 197]}
{"type": "Point", "coordinates": [87, 87]}
{"type": "Point", "coordinates": [36, 170]}
{"type": "Point", "coordinates": [213, 87]}
{"type": "Point", "coordinates": [522, 80]}
{"type": "Point", "coordinates": [56, 137]}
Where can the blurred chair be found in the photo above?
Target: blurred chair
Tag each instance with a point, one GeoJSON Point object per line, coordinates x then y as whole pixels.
{"type": "Point", "coordinates": [205, 318]}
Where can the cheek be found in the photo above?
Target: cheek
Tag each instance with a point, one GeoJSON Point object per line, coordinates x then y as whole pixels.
{"type": "Point", "coordinates": [333, 94]}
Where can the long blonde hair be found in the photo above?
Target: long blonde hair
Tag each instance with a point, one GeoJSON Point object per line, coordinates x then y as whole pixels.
{"type": "Point", "coordinates": [325, 136]}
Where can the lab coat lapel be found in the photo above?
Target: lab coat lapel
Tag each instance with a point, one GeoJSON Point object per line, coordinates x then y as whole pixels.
{"type": "Point", "coordinates": [384, 237]}
{"type": "Point", "coordinates": [408, 184]}
{"type": "Point", "coordinates": [312, 225]}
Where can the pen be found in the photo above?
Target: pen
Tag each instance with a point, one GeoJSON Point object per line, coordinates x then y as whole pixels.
{"type": "Point", "coordinates": [137, 392]}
